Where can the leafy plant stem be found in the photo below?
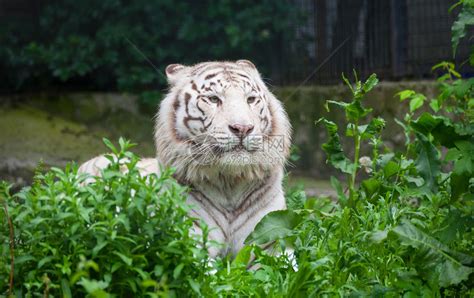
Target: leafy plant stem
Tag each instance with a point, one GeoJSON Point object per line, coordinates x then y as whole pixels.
{"type": "Point", "coordinates": [356, 163]}
{"type": "Point", "coordinates": [12, 249]}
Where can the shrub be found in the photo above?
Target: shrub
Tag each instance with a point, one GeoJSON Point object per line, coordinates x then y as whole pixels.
{"type": "Point", "coordinates": [122, 234]}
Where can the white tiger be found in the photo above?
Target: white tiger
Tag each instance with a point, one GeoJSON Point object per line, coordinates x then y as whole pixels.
{"type": "Point", "coordinates": [228, 138]}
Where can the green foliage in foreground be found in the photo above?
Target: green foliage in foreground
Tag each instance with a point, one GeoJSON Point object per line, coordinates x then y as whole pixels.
{"type": "Point", "coordinates": [122, 234]}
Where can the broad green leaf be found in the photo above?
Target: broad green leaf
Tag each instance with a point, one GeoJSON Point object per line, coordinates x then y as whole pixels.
{"type": "Point", "coordinates": [390, 169]}
{"type": "Point", "coordinates": [455, 225]}
{"type": "Point", "coordinates": [355, 111]}
{"type": "Point", "coordinates": [459, 184]}
{"type": "Point", "coordinates": [458, 29]}
{"type": "Point", "coordinates": [416, 102]}
{"type": "Point", "coordinates": [275, 225]}
{"type": "Point", "coordinates": [379, 236]}
{"type": "Point", "coordinates": [405, 94]}
{"type": "Point", "coordinates": [465, 161]}
{"type": "Point", "coordinates": [243, 256]}
{"type": "Point", "coordinates": [427, 161]}
{"type": "Point", "coordinates": [435, 106]}
{"type": "Point", "coordinates": [442, 129]}
{"type": "Point", "coordinates": [371, 186]}
{"type": "Point", "coordinates": [434, 260]}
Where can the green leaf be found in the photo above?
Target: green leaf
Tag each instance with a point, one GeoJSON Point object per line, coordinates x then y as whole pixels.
{"type": "Point", "coordinates": [94, 286]}
{"type": "Point", "coordinates": [379, 236]}
{"type": "Point", "coordinates": [101, 244]}
{"type": "Point", "coordinates": [195, 286]}
{"type": "Point", "coordinates": [147, 283]}
{"type": "Point", "coordinates": [243, 256]}
{"type": "Point", "coordinates": [458, 30]}
{"type": "Point", "coordinates": [459, 184]}
{"type": "Point", "coordinates": [355, 111]}
{"type": "Point", "coordinates": [374, 128]}
{"type": "Point", "coordinates": [337, 103]}
{"type": "Point", "coordinates": [427, 161]}
{"type": "Point", "coordinates": [442, 129]}
{"type": "Point", "coordinates": [333, 148]}
{"type": "Point", "coordinates": [417, 102]}
{"type": "Point", "coordinates": [405, 94]}
{"type": "Point", "coordinates": [65, 288]}
{"type": "Point", "coordinates": [455, 225]}
{"type": "Point", "coordinates": [124, 258]}
{"type": "Point", "coordinates": [435, 106]}
{"type": "Point", "coordinates": [434, 260]}
{"type": "Point", "coordinates": [177, 270]}
{"type": "Point", "coordinates": [371, 82]}
{"type": "Point", "coordinates": [390, 169]}
{"type": "Point", "coordinates": [371, 187]}
{"type": "Point", "coordinates": [44, 261]}
{"type": "Point", "coordinates": [296, 200]}
{"type": "Point", "coordinates": [336, 184]}
{"type": "Point", "coordinates": [22, 259]}
{"type": "Point", "coordinates": [464, 163]}
{"type": "Point", "coordinates": [275, 225]}
{"type": "Point", "coordinates": [109, 145]}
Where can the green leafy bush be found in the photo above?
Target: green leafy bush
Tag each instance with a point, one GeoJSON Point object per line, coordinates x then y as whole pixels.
{"type": "Point", "coordinates": [122, 234]}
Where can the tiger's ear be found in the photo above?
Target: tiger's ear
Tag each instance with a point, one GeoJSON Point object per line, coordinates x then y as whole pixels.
{"type": "Point", "coordinates": [246, 63]}
{"type": "Point", "coordinates": [173, 71]}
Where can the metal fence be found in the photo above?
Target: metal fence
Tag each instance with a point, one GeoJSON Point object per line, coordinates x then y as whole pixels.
{"type": "Point", "coordinates": [397, 39]}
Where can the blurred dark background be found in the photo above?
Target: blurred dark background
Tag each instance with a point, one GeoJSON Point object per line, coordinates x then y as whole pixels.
{"type": "Point", "coordinates": [74, 71]}
{"type": "Point", "coordinates": [98, 45]}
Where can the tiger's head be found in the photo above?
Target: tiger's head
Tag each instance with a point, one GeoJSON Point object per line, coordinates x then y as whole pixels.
{"type": "Point", "coordinates": [219, 119]}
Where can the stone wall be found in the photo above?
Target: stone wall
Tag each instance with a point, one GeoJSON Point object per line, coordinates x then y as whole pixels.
{"type": "Point", "coordinates": [58, 128]}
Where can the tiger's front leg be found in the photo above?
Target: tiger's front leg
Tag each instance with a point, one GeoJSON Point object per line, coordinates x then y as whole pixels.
{"type": "Point", "coordinates": [94, 166]}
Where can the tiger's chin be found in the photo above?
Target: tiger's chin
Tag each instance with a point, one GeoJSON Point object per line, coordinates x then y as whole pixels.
{"type": "Point", "coordinates": [239, 163]}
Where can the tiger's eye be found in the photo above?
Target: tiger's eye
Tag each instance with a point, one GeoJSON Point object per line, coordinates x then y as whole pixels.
{"type": "Point", "coordinates": [214, 99]}
{"type": "Point", "coordinates": [251, 99]}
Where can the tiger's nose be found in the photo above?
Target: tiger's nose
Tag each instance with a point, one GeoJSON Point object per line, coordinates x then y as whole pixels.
{"type": "Point", "coordinates": [241, 130]}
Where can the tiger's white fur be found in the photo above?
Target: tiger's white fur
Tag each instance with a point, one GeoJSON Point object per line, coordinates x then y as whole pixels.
{"type": "Point", "coordinates": [228, 138]}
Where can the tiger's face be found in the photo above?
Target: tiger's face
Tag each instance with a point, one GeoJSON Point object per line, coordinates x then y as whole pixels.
{"type": "Point", "coordinates": [221, 114]}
